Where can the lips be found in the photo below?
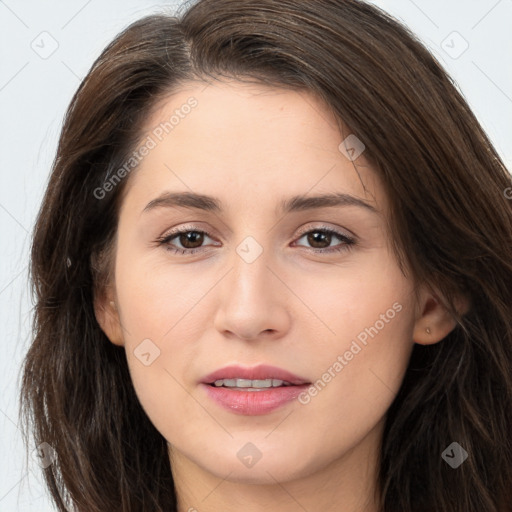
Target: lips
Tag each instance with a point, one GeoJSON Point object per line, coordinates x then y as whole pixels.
{"type": "Point", "coordinates": [239, 398]}
{"type": "Point", "coordinates": [260, 372]}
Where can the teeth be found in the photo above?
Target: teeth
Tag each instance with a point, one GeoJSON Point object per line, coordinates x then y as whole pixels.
{"type": "Point", "coordinates": [247, 383]}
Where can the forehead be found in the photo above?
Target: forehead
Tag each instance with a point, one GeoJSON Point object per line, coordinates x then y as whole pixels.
{"type": "Point", "coordinates": [234, 140]}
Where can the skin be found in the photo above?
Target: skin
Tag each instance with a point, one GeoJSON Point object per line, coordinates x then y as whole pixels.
{"type": "Point", "coordinates": [252, 146]}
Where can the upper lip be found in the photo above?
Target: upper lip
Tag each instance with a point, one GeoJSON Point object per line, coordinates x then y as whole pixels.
{"type": "Point", "coordinates": [260, 372]}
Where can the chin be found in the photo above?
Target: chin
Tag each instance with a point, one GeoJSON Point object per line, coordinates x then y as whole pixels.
{"type": "Point", "coordinates": [267, 470]}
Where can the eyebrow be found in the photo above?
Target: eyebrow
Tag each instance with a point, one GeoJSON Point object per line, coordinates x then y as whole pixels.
{"type": "Point", "coordinates": [293, 204]}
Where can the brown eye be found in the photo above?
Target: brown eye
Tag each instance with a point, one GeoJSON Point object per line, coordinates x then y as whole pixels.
{"type": "Point", "coordinates": [191, 239]}
{"type": "Point", "coordinates": [320, 239]}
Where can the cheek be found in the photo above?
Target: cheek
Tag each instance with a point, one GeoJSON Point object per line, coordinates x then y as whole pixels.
{"type": "Point", "coordinates": [164, 314]}
{"type": "Point", "coordinates": [359, 368]}
{"type": "Point", "coordinates": [371, 305]}
{"type": "Point", "coordinates": [158, 300]}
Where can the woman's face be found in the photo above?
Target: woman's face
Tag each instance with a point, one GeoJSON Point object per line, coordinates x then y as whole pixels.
{"type": "Point", "coordinates": [254, 287]}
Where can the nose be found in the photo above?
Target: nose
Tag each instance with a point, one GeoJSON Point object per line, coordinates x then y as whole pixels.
{"type": "Point", "coordinates": [253, 301]}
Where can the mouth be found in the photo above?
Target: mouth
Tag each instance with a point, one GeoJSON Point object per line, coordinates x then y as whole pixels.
{"type": "Point", "coordinates": [250, 385]}
{"type": "Point", "coordinates": [262, 376]}
{"type": "Point", "coordinates": [253, 391]}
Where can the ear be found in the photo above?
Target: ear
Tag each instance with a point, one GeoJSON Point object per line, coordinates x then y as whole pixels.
{"type": "Point", "coordinates": [434, 321]}
{"type": "Point", "coordinates": [108, 317]}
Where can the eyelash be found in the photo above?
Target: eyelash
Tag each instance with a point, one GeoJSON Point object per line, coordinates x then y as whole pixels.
{"type": "Point", "coordinates": [348, 242]}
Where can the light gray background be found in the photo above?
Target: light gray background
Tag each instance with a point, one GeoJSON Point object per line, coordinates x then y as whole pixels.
{"type": "Point", "coordinates": [35, 89]}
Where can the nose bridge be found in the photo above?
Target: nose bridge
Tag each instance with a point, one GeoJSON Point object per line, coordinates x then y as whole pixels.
{"type": "Point", "coordinates": [249, 302]}
{"type": "Point", "coordinates": [250, 272]}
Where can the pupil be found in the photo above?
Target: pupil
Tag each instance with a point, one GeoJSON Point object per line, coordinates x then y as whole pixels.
{"type": "Point", "coordinates": [191, 237]}
{"type": "Point", "coordinates": [315, 238]}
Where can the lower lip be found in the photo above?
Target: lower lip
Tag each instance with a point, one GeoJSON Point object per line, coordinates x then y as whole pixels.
{"type": "Point", "coordinates": [252, 403]}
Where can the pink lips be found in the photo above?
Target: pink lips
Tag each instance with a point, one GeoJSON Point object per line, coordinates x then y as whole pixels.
{"type": "Point", "coordinates": [253, 402]}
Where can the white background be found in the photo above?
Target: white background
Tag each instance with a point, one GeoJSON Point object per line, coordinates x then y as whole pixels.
{"type": "Point", "coordinates": [35, 91]}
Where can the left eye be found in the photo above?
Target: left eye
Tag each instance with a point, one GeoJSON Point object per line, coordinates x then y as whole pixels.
{"type": "Point", "coordinates": [320, 236]}
{"type": "Point", "coordinates": [192, 240]}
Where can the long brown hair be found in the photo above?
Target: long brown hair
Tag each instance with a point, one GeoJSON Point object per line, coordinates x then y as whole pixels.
{"type": "Point", "coordinates": [451, 223]}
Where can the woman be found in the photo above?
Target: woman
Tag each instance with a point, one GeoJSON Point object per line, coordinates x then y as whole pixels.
{"type": "Point", "coordinates": [272, 271]}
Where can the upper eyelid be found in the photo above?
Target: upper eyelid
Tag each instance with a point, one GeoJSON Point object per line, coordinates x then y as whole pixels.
{"type": "Point", "coordinates": [340, 230]}
{"type": "Point", "coordinates": [186, 229]}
